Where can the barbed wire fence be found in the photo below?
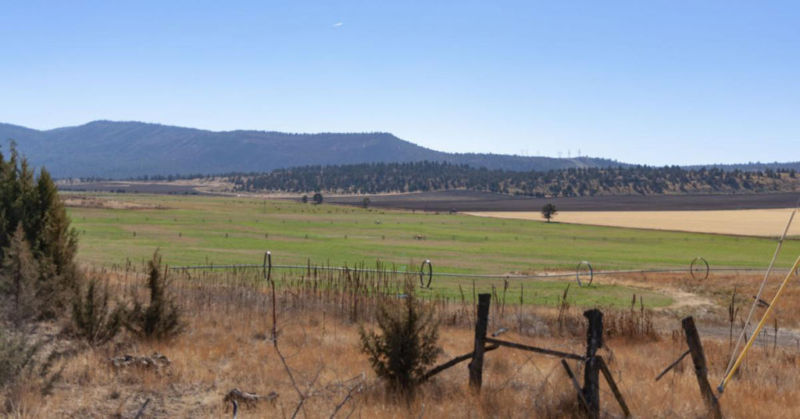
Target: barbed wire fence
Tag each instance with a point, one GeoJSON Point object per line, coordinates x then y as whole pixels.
{"type": "Point", "coordinates": [699, 269]}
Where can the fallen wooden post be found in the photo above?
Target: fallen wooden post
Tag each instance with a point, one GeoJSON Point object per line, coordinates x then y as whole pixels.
{"type": "Point", "coordinates": [613, 385]}
{"type": "Point", "coordinates": [439, 368]}
{"type": "Point", "coordinates": [700, 369]}
{"type": "Point", "coordinates": [481, 324]}
{"type": "Point", "coordinates": [534, 349]}
{"type": "Point", "coordinates": [674, 364]}
{"type": "Point", "coordinates": [575, 384]}
{"type": "Point", "coordinates": [591, 373]}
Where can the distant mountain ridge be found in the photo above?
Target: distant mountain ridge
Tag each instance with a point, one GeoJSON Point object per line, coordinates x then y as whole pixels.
{"type": "Point", "coordinates": [118, 150]}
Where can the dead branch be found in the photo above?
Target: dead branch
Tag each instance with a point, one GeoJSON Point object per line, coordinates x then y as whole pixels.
{"type": "Point", "coordinates": [155, 361]}
{"type": "Point", "coordinates": [300, 394]}
{"type": "Point", "coordinates": [141, 409]}
{"type": "Point", "coordinates": [357, 388]}
{"type": "Point", "coordinates": [247, 398]}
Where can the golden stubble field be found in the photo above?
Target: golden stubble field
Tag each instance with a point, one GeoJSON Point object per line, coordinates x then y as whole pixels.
{"type": "Point", "coordinates": [749, 222]}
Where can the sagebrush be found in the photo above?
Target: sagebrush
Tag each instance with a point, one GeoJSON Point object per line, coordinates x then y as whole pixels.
{"type": "Point", "coordinates": [93, 318]}
{"type": "Point", "coordinates": [161, 317]}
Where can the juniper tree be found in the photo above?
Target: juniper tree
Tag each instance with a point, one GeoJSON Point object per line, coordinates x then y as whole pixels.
{"type": "Point", "coordinates": [19, 276]}
{"type": "Point", "coordinates": [407, 343]}
{"type": "Point", "coordinates": [32, 204]}
{"type": "Point", "coordinates": [161, 317]}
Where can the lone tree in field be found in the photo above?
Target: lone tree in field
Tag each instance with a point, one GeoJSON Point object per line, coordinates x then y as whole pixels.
{"type": "Point", "coordinates": [317, 198]}
{"type": "Point", "coordinates": [365, 203]}
{"type": "Point", "coordinates": [549, 211]}
{"type": "Point", "coordinates": [406, 345]}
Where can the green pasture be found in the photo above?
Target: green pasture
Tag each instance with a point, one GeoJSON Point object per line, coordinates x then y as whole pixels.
{"type": "Point", "coordinates": [193, 230]}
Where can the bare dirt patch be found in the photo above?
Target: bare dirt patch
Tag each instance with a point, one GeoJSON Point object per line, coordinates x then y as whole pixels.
{"type": "Point", "coordinates": [77, 201]}
{"type": "Point", "coordinates": [682, 300]}
{"type": "Point", "coordinates": [751, 222]}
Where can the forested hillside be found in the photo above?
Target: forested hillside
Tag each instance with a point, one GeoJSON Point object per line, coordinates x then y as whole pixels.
{"type": "Point", "coordinates": [432, 176]}
{"type": "Point", "coordinates": [121, 150]}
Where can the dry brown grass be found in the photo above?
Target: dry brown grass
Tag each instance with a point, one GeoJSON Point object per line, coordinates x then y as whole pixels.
{"type": "Point", "coordinates": [711, 297]}
{"type": "Point", "coordinates": [750, 222]}
{"type": "Point", "coordinates": [88, 201]}
{"type": "Point", "coordinates": [226, 345]}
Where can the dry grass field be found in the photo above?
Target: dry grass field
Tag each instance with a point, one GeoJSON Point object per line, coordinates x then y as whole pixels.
{"type": "Point", "coordinates": [226, 345]}
{"type": "Point", "coordinates": [749, 222]}
{"type": "Point", "coordinates": [316, 368]}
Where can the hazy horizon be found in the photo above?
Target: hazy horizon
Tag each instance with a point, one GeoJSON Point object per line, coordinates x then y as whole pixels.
{"type": "Point", "coordinates": [788, 160]}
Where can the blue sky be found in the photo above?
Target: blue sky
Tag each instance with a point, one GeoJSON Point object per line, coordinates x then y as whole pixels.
{"type": "Point", "coordinates": [654, 82]}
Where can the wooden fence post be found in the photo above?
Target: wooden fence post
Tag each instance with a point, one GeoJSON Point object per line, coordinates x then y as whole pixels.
{"type": "Point", "coordinates": [481, 324]}
{"type": "Point", "coordinates": [591, 377]}
{"type": "Point", "coordinates": [700, 369]}
{"type": "Point", "coordinates": [613, 385]}
{"type": "Point", "coordinates": [574, 382]}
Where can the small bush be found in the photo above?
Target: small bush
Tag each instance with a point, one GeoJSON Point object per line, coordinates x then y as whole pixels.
{"type": "Point", "coordinates": [161, 319]}
{"type": "Point", "coordinates": [406, 346]}
{"type": "Point", "coordinates": [16, 356]}
{"type": "Point", "coordinates": [92, 318]}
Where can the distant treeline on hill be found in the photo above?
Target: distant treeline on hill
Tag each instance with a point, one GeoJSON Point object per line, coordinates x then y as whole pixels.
{"type": "Point", "coordinates": [432, 176]}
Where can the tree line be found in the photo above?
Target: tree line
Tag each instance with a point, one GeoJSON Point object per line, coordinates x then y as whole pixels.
{"type": "Point", "coordinates": [436, 176]}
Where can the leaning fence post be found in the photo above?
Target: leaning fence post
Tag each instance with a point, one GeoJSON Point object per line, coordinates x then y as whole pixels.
{"type": "Point", "coordinates": [591, 377]}
{"type": "Point", "coordinates": [613, 385]}
{"type": "Point", "coordinates": [700, 369]}
{"type": "Point", "coordinates": [481, 324]}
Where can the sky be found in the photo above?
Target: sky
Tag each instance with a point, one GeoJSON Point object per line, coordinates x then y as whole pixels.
{"type": "Point", "coordinates": [650, 82]}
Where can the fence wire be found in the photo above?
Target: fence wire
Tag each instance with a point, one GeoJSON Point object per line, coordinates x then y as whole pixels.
{"type": "Point", "coordinates": [431, 273]}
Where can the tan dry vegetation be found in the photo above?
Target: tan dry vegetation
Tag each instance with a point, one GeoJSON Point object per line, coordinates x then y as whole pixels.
{"type": "Point", "coordinates": [226, 345]}
{"type": "Point", "coordinates": [713, 296]}
{"type": "Point", "coordinates": [88, 201]}
{"type": "Point", "coordinates": [750, 222]}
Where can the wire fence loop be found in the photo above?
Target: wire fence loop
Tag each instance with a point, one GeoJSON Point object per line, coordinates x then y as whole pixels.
{"type": "Point", "coordinates": [700, 262]}
{"type": "Point", "coordinates": [422, 283]}
{"type": "Point", "coordinates": [584, 266]}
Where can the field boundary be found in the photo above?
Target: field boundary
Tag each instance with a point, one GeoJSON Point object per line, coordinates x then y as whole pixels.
{"type": "Point", "coordinates": [267, 265]}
